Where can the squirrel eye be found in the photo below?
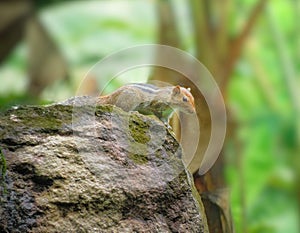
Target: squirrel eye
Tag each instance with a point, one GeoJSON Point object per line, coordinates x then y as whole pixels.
{"type": "Point", "coordinates": [184, 99]}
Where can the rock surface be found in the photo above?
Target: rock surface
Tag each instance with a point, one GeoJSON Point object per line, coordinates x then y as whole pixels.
{"type": "Point", "coordinates": [92, 169]}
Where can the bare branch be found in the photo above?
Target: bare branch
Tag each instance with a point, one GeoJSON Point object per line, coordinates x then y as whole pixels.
{"type": "Point", "coordinates": [223, 11]}
{"type": "Point", "coordinates": [204, 48]}
{"type": "Point", "coordinates": [237, 45]}
{"type": "Point", "coordinates": [168, 32]}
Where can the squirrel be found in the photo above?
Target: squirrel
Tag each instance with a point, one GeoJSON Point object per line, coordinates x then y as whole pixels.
{"type": "Point", "coordinates": [149, 99]}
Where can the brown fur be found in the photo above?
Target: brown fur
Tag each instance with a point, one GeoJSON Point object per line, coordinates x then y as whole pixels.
{"type": "Point", "coordinates": [155, 101]}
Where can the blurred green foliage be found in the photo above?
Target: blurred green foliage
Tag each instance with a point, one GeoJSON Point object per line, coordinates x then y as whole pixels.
{"type": "Point", "coordinates": [262, 157]}
{"type": "Point", "coordinates": [265, 197]}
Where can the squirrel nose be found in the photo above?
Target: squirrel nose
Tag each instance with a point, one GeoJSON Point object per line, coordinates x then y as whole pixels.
{"type": "Point", "coordinates": [194, 109]}
{"type": "Point", "coordinates": [191, 110]}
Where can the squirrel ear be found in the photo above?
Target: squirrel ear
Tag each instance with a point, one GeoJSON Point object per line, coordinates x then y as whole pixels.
{"type": "Point", "coordinates": [176, 90]}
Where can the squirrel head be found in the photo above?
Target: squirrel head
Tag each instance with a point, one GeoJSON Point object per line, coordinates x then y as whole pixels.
{"type": "Point", "coordinates": [183, 99]}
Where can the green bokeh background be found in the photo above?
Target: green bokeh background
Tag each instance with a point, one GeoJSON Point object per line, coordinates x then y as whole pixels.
{"type": "Point", "coordinates": [262, 157]}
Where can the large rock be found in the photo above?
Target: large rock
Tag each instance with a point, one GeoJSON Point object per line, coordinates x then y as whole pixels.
{"type": "Point", "coordinates": [87, 169]}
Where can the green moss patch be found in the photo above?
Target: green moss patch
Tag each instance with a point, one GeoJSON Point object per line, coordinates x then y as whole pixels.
{"type": "Point", "coordinates": [139, 129]}
{"type": "Point", "coordinates": [3, 188]}
{"type": "Point", "coordinates": [2, 166]}
{"type": "Point", "coordinates": [105, 108]}
{"type": "Point", "coordinates": [139, 158]}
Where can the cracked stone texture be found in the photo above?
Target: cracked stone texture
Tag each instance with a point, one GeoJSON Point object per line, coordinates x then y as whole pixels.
{"type": "Point", "coordinates": [74, 168]}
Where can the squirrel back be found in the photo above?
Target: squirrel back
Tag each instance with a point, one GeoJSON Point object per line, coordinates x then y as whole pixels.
{"type": "Point", "coordinates": [149, 99]}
